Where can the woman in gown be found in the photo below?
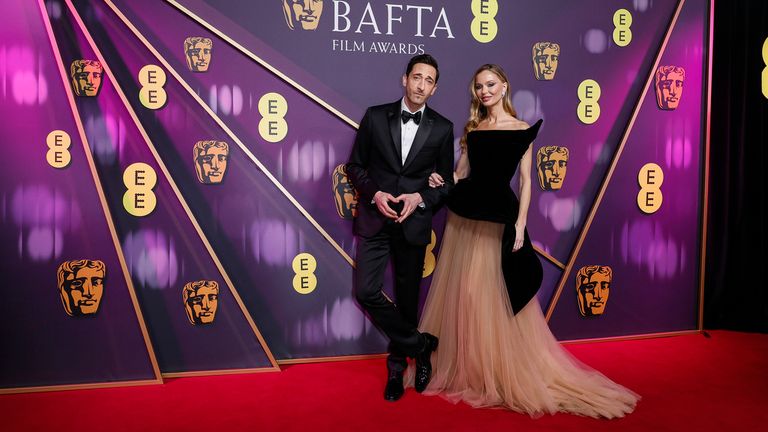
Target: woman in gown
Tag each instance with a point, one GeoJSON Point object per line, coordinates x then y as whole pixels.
{"type": "Point", "coordinates": [495, 348]}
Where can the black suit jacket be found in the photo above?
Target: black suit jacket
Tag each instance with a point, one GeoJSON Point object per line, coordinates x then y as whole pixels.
{"type": "Point", "coordinates": [375, 165]}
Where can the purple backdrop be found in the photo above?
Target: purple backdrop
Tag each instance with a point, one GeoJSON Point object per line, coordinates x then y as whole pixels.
{"type": "Point", "coordinates": [49, 216]}
{"type": "Point", "coordinates": [253, 227]}
{"type": "Point", "coordinates": [162, 250]}
{"type": "Point", "coordinates": [655, 258]}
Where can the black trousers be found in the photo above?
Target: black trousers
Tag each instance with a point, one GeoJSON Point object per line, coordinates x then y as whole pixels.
{"type": "Point", "coordinates": [398, 321]}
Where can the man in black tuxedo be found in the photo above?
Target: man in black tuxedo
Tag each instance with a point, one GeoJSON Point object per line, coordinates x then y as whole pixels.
{"type": "Point", "coordinates": [398, 145]}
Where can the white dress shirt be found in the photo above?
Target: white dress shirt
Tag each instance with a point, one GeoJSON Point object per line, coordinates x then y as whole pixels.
{"type": "Point", "coordinates": [408, 130]}
{"type": "Point", "coordinates": [407, 134]}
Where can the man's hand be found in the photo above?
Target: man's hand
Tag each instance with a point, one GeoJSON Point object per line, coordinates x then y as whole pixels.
{"type": "Point", "coordinates": [382, 200]}
{"type": "Point", "coordinates": [410, 202]}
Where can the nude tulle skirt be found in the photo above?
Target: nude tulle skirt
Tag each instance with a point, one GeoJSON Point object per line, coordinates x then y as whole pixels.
{"type": "Point", "coordinates": [488, 357]}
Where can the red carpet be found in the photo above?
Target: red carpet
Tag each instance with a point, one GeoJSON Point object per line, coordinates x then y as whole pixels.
{"type": "Point", "coordinates": [688, 383]}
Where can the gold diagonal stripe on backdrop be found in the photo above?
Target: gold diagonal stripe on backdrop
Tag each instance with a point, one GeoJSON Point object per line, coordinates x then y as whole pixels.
{"type": "Point", "coordinates": [175, 188]}
{"type": "Point", "coordinates": [705, 194]}
{"type": "Point", "coordinates": [614, 162]}
{"type": "Point", "coordinates": [110, 225]}
{"type": "Point", "coordinates": [549, 257]}
{"type": "Point", "coordinates": [229, 133]}
{"type": "Point", "coordinates": [260, 61]}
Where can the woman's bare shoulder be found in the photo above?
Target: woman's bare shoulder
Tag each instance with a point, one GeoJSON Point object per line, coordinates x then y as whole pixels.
{"type": "Point", "coordinates": [514, 124]}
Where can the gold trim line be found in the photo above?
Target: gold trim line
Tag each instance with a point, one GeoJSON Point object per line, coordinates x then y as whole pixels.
{"type": "Point", "coordinates": [67, 387]}
{"type": "Point", "coordinates": [181, 8]}
{"type": "Point", "coordinates": [705, 198]}
{"type": "Point", "coordinates": [100, 191]}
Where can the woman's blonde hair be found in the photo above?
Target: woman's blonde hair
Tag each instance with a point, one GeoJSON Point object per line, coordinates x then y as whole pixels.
{"type": "Point", "coordinates": [477, 111]}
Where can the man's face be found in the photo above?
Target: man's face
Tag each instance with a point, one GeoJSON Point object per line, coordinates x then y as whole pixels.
{"type": "Point", "coordinates": [199, 56]}
{"type": "Point", "coordinates": [202, 304]}
{"type": "Point", "coordinates": [546, 63]}
{"type": "Point", "coordinates": [82, 291]}
{"type": "Point", "coordinates": [419, 85]}
{"type": "Point", "coordinates": [344, 194]}
{"type": "Point", "coordinates": [212, 164]}
{"type": "Point", "coordinates": [305, 13]}
{"type": "Point", "coordinates": [88, 81]}
{"type": "Point", "coordinates": [552, 170]}
{"type": "Point", "coordinates": [593, 294]}
{"type": "Point", "coordinates": [669, 90]}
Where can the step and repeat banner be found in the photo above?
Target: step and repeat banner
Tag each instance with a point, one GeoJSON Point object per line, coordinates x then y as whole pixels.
{"type": "Point", "coordinates": [178, 202]}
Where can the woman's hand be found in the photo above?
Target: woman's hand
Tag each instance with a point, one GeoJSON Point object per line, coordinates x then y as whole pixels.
{"type": "Point", "coordinates": [519, 237]}
{"type": "Point", "coordinates": [435, 180]}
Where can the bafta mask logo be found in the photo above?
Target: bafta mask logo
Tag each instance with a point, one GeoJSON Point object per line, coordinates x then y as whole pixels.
{"type": "Point", "coordinates": [81, 286]}
{"type": "Point", "coordinates": [86, 77]}
{"type": "Point", "coordinates": [344, 194]}
{"type": "Point", "coordinates": [669, 86]}
{"type": "Point", "coordinates": [545, 58]}
{"type": "Point", "coordinates": [201, 299]}
{"type": "Point", "coordinates": [198, 53]}
{"type": "Point", "coordinates": [211, 161]}
{"type": "Point", "coordinates": [552, 164]}
{"type": "Point", "coordinates": [302, 13]}
{"type": "Point", "coordinates": [593, 284]}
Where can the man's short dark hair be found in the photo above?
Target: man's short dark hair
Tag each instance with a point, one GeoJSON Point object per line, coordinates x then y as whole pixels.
{"type": "Point", "coordinates": [424, 59]}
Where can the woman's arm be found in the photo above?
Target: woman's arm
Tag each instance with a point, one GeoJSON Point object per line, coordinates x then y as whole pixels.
{"type": "Point", "coordinates": [462, 171]}
{"type": "Point", "coordinates": [525, 197]}
{"type": "Point", "coordinates": [462, 167]}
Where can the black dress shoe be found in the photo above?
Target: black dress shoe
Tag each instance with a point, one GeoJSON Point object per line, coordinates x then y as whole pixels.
{"type": "Point", "coordinates": [394, 389]}
{"type": "Point", "coordinates": [424, 363]}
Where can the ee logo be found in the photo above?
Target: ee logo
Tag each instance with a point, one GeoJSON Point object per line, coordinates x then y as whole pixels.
{"type": "Point", "coordinates": [429, 259]}
{"type": "Point", "coordinates": [152, 79]}
{"type": "Point", "coordinates": [588, 109]}
{"type": "Point", "coordinates": [272, 126]}
{"type": "Point", "coordinates": [649, 198]}
{"type": "Point", "coordinates": [304, 266]}
{"type": "Point", "coordinates": [765, 69]}
{"type": "Point", "coordinates": [483, 26]}
{"type": "Point", "coordinates": [140, 179]}
{"type": "Point", "coordinates": [58, 143]}
{"type": "Point", "coordinates": [622, 21]}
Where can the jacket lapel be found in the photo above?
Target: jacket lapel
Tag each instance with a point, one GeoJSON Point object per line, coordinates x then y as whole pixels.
{"type": "Point", "coordinates": [421, 137]}
{"type": "Point", "coordinates": [394, 129]}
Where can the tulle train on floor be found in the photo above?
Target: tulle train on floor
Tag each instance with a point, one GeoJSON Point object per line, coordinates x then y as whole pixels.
{"type": "Point", "coordinates": [488, 357]}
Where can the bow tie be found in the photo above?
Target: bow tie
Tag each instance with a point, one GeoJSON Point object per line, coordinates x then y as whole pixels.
{"type": "Point", "coordinates": [405, 116]}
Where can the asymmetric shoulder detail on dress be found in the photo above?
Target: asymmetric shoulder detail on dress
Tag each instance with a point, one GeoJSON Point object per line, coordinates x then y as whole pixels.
{"type": "Point", "coordinates": [493, 155]}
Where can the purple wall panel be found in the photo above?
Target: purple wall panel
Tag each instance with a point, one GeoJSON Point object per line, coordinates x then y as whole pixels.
{"type": "Point", "coordinates": [253, 227]}
{"type": "Point", "coordinates": [49, 216]}
{"type": "Point", "coordinates": [163, 252]}
{"type": "Point", "coordinates": [654, 257]}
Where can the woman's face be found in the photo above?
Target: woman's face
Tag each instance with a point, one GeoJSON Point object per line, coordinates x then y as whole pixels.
{"type": "Point", "coordinates": [489, 88]}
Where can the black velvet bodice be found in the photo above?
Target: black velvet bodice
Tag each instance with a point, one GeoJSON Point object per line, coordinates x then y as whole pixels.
{"type": "Point", "coordinates": [493, 159]}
